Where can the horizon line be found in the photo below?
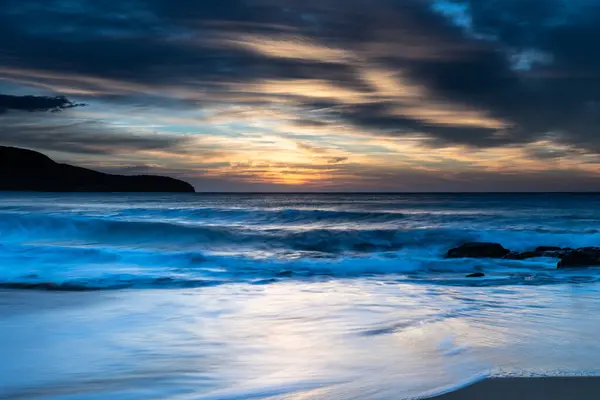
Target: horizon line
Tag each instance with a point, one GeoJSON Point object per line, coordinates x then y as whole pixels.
{"type": "Point", "coordinates": [408, 192]}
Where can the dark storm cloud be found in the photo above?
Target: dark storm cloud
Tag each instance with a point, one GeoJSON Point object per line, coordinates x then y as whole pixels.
{"type": "Point", "coordinates": [380, 117]}
{"type": "Point", "coordinates": [145, 41]}
{"type": "Point", "coordinates": [557, 41]}
{"type": "Point", "coordinates": [138, 46]}
{"type": "Point", "coordinates": [35, 103]}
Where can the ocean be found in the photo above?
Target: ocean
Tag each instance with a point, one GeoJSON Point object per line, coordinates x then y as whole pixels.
{"type": "Point", "coordinates": [288, 296]}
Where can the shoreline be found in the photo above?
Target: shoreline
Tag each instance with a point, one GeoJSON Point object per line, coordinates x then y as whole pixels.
{"type": "Point", "coordinates": [527, 388]}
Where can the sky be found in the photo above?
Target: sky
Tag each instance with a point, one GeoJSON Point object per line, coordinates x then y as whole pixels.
{"type": "Point", "coordinates": [310, 95]}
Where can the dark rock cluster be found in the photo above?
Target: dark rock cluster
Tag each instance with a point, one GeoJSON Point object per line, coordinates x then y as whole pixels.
{"type": "Point", "coordinates": [569, 258]}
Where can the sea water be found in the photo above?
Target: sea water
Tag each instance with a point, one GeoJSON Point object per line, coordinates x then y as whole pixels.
{"type": "Point", "coordinates": [287, 296]}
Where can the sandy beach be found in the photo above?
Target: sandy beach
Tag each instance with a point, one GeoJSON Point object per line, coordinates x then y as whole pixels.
{"type": "Point", "coordinates": [543, 388]}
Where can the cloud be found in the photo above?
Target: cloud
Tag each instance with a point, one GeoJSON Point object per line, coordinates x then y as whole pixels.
{"type": "Point", "coordinates": [336, 160]}
{"type": "Point", "coordinates": [289, 47]}
{"type": "Point", "coordinates": [557, 66]}
{"type": "Point", "coordinates": [469, 74]}
{"type": "Point", "coordinates": [321, 153]}
{"type": "Point", "coordinates": [35, 103]}
{"type": "Point", "coordinates": [90, 137]}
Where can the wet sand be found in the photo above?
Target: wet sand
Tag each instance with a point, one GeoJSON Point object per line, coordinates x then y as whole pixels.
{"type": "Point", "coordinates": [22, 302]}
{"type": "Point", "coordinates": [545, 388]}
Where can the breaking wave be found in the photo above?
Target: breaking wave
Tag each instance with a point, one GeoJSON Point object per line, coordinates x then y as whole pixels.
{"type": "Point", "coordinates": [94, 243]}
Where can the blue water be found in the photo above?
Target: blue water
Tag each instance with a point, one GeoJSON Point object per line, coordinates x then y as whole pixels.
{"type": "Point", "coordinates": [198, 296]}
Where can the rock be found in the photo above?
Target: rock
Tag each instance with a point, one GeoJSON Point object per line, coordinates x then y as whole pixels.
{"type": "Point", "coordinates": [541, 251]}
{"type": "Point", "coordinates": [557, 253]}
{"type": "Point", "coordinates": [27, 170]}
{"type": "Point", "coordinates": [513, 255]}
{"type": "Point", "coordinates": [544, 249]}
{"type": "Point", "coordinates": [476, 275]}
{"type": "Point", "coordinates": [478, 250]}
{"type": "Point", "coordinates": [582, 257]}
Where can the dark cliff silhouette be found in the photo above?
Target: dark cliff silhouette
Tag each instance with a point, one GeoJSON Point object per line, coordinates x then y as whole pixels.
{"type": "Point", "coordinates": [27, 170]}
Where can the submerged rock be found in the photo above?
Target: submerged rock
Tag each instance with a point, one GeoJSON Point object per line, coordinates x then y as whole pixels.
{"type": "Point", "coordinates": [544, 249]}
{"type": "Point", "coordinates": [478, 250]}
{"type": "Point", "coordinates": [513, 255]}
{"type": "Point", "coordinates": [582, 257]}
{"type": "Point", "coordinates": [476, 275]}
{"type": "Point", "coordinates": [556, 252]}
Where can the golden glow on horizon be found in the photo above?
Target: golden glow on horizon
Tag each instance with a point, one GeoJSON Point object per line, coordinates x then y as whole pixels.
{"type": "Point", "coordinates": [328, 156]}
